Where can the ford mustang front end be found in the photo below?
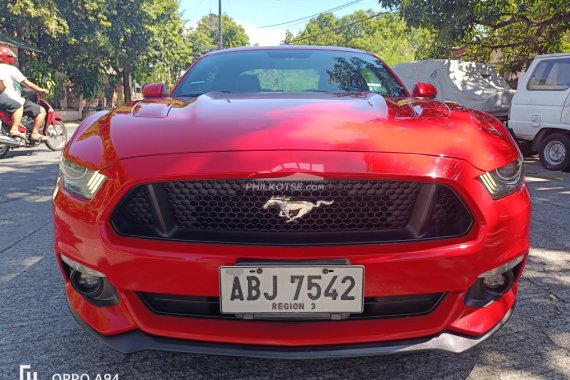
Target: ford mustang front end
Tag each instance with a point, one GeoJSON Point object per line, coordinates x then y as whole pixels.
{"type": "Point", "coordinates": [291, 202]}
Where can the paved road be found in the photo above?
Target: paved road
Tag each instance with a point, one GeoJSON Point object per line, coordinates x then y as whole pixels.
{"type": "Point", "coordinates": [37, 329]}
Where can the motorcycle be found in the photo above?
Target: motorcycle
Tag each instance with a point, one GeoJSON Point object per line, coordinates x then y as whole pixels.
{"type": "Point", "coordinates": [53, 128]}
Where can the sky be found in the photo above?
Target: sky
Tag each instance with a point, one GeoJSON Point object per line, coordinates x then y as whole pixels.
{"type": "Point", "coordinates": [253, 14]}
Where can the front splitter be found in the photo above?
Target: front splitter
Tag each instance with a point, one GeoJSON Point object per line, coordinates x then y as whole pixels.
{"type": "Point", "coordinates": [136, 340]}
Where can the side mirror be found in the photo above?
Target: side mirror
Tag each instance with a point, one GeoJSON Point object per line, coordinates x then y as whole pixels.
{"type": "Point", "coordinates": [424, 90]}
{"type": "Point", "coordinates": [154, 90]}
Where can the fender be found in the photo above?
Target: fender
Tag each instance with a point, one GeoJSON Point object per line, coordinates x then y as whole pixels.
{"type": "Point", "coordinates": [56, 117]}
{"type": "Point", "coordinates": [52, 118]}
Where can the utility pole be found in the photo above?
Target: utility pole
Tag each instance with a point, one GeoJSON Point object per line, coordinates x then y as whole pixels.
{"type": "Point", "coordinates": [220, 41]}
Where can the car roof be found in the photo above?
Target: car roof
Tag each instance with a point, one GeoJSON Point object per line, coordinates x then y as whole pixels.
{"type": "Point", "coordinates": [288, 47]}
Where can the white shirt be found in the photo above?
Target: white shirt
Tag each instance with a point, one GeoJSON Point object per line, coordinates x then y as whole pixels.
{"type": "Point", "coordinates": [12, 77]}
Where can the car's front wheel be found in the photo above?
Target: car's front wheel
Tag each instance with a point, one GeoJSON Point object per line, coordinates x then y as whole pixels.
{"type": "Point", "coordinates": [554, 152]}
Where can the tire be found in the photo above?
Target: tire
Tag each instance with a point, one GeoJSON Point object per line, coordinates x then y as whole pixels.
{"type": "Point", "coordinates": [4, 149]}
{"type": "Point", "coordinates": [59, 138]}
{"type": "Point", "coordinates": [525, 147]}
{"type": "Point", "coordinates": [554, 152]}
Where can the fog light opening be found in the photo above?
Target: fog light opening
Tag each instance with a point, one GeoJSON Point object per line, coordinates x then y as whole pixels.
{"type": "Point", "coordinates": [87, 285]}
{"type": "Point", "coordinates": [498, 284]}
{"type": "Point", "coordinates": [91, 284]}
{"type": "Point", "coordinates": [505, 268]}
{"type": "Point", "coordinates": [495, 281]}
{"type": "Point", "coordinates": [493, 284]}
{"type": "Point", "coordinates": [81, 268]}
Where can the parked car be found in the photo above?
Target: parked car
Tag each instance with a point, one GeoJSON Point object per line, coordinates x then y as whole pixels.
{"type": "Point", "coordinates": [473, 85]}
{"type": "Point", "coordinates": [291, 202]}
{"type": "Point", "coordinates": [540, 111]}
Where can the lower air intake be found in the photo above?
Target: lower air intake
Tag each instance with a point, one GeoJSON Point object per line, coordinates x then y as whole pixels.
{"type": "Point", "coordinates": [374, 307]}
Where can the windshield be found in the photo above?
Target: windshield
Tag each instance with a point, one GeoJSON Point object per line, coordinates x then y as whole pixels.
{"type": "Point", "coordinates": [290, 70]}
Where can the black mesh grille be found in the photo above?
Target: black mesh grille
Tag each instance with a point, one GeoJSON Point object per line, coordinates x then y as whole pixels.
{"type": "Point", "coordinates": [446, 210]}
{"type": "Point", "coordinates": [299, 212]}
{"type": "Point", "coordinates": [137, 210]}
{"type": "Point", "coordinates": [216, 205]}
{"type": "Point", "coordinates": [374, 307]}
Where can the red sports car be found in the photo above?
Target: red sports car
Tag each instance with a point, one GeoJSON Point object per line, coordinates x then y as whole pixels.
{"type": "Point", "coordinates": [291, 202]}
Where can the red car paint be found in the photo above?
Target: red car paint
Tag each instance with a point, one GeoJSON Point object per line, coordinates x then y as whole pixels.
{"type": "Point", "coordinates": [357, 136]}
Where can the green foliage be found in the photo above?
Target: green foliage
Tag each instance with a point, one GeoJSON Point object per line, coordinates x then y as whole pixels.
{"type": "Point", "coordinates": [90, 40]}
{"type": "Point", "coordinates": [31, 20]}
{"type": "Point", "coordinates": [385, 35]}
{"type": "Point", "coordinates": [512, 30]}
{"type": "Point", "coordinates": [25, 17]}
{"type": "Point", "coordinates": [205, 37]}
{"type": "Point", "coordinates": [91, 82]}
{"type": "Point", "coordinates": [313, 32]}
{"type": "Point", "coordinates": [168, 52]}
{"type": "Point", "coordinates": [41, 73]}
{"type": "Point", "coordinates": [82, 53]}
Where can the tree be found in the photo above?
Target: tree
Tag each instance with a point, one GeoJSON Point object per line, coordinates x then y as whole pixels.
{"type": "Point", "coordinates": [82, 53]}
{"type": "Point", "coordinates": [205, 37]}
{"type": "Point", "coordinates": [385, 35]}
{"type": "Point", "coordinates": [29, 20]}
{"type": "Point", "coordinates": [131, 32]}
{"type": "Point", "coordinates": [169, 51]}
{"type": "Point", "coordinates": [315, 32]}
{"type": "Point", "coordinates": [90, 40]}
{"type": "Point", "coordinates": [519, 30]}
{"type": "Point", "coordinates": [71, 33]}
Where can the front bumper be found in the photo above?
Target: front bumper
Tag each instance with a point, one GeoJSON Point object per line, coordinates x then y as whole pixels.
{"type": "Point", "coordinates": [449, 266]}
{"type": "Point", "coordinates": [136, 340]}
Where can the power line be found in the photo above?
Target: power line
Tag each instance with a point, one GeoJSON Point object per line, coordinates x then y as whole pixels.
{"type": "Point", "coordinates": [302, 19]}
{"type": "Point", "coordinates": [337, 29]}
{"type": "Point", "coordinates": [342, 6]}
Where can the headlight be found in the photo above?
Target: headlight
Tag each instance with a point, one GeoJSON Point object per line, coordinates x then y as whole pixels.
{"type": "Point", "coordinates": [79, 180]}
{"type": "Point", "coordinates": [504, 180]}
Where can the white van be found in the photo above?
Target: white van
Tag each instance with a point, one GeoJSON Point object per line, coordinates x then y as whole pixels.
{"type": "Point", "coordinates": [540, 111]}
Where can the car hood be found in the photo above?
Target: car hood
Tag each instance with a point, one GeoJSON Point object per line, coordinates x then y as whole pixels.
{"type": "Point", "coordinates": [220, 122]}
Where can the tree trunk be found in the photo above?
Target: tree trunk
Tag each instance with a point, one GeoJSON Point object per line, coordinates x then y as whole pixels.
{"type": "Point", "coordinates": [21, 52]}
{"type": "Point", "coordinates": [127, 84]}
{"type": "Point", "coordinates": [80, 106]}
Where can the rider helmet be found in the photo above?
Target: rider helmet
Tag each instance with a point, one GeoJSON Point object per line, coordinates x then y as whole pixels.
{"type": "Point", "coordinates": [7, 55]}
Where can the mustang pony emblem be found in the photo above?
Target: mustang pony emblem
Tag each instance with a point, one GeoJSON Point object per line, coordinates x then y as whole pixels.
{"type": "Point", "coordinates": [293, 209]}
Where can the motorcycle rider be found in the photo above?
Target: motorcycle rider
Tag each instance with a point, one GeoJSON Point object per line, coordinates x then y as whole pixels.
{"type": "Point", "coordinates": [10, 77]}
{"type": "Point", "coordinates": [9, 105]}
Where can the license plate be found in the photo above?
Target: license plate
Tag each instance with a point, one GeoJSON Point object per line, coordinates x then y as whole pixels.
{"type": "Point", "coordinates": [291, 289]}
